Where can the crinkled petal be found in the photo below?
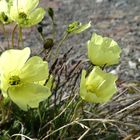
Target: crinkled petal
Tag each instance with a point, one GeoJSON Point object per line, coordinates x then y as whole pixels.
{"type": "Point", "coordinates": [108, 88]}
{"type": "Point", "coordinates": [12, 60]}
{"type": "Point", "coordinates": [28, 95]}
{"type": "Point", "coordinates": [83, 91]}
{"type": "Point", "coordinates": [28, 5]}
{"type": "Point", "coordinates": [96, 39]}
{"type": "Point", "coordinates": [3, 6]}
{"type": "Point", "coordinates": [35, 69]}
{"type": "Point", "coordinates": [24, 5]}
{"type": "Point", "coordinates": [95, 78]}
{"type": "Point", "coordinates": [35, 17]}
{"type": "Point", "coordinates": [14, 11]}
{"type": "Point", "coordinates": [100, 57]}
{"type": "Point", "coordinates": [86, 95]}
{"type": "Point", "coordinates": [98, 87]}
{"type": "Point", "coordinates": [4, 84]}
{"type": "Point", "coordinates": [103, 50]}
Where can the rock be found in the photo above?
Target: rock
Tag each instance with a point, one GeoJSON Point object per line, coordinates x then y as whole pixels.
{"type": "Point", "coordinates": [132, 64]}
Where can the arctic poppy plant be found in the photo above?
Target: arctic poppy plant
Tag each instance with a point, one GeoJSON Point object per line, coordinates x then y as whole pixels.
{"type": "Point", "coordinates": [103, 50]}
{"type": "Point", "coordinates": [20, 77]}
{"type": "Point", "coordinates": [26, 13]}
{"type": "Point", "coordinates": [98, 87]}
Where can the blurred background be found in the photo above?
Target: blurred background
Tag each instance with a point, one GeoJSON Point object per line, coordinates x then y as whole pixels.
{"type": "Point", "coordinates": [119, 19]}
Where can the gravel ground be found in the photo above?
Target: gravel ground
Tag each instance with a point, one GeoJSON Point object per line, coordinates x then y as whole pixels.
{"type": "Point", "coordinates": [118, 19]}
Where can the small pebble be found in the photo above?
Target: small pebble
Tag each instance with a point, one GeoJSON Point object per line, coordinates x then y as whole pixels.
{"type": "Point", "coordinates": [99, 1]}
{"type": "Point", "coordinates": [113, 72]}
{"type": "Point", "coordinates": [132, 65]}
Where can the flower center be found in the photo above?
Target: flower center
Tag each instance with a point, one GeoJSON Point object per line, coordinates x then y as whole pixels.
{"type": "Point", "coordinates": [14, 80]}
{"type": "Point", "coordinates": [4, 16]}
{"type": "Point", "coordinates": [22, 15]}
{"type": "Point", "coordinates": [90, 88]}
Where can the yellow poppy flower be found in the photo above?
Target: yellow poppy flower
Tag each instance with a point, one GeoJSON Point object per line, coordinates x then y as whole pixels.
{"type": "Point", "coordinates": [103, 50]}
{"type": "Point", "coordinates": [25, 13]}
{"type": "Point", "coordinates": [98, 87]}
{"type": "Point", "coordinates": [20, 76]}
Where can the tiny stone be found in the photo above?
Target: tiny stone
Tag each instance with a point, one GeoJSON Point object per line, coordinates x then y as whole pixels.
{"type": "Point", "coordinates": [132, 65]}
{"type": "Point", "coordinates": [113, 72]}
{"type": "Point", "coordinates": [99, 1]}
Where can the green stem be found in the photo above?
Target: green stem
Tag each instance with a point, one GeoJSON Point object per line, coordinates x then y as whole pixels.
{"type": "Point", "coordinates": [76, 109]}
{"type": "Point", "coordinates": [13, 35]}
{"type": "Point", "coordinates": [43, 37]}
{"type": "Point", "coordinates": [59, 45]}
{"type": "Point", "coordinates": [20, 39]}
{"type": "Point", "coordinates": [53, 30]}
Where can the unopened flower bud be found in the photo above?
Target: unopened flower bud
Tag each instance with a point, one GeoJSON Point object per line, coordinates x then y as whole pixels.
{"type": "Point", "coordinates": [51, 13]}
{"type": "Point", "coordinates": [48, 43]}
{"type": "Point", "coordinates": [40, 29]}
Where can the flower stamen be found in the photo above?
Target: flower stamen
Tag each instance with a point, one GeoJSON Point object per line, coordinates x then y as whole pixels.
{"type": "Point", "coordinates": [14, 80]}
{"type": "Point", "coordinates": [22, 15]}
